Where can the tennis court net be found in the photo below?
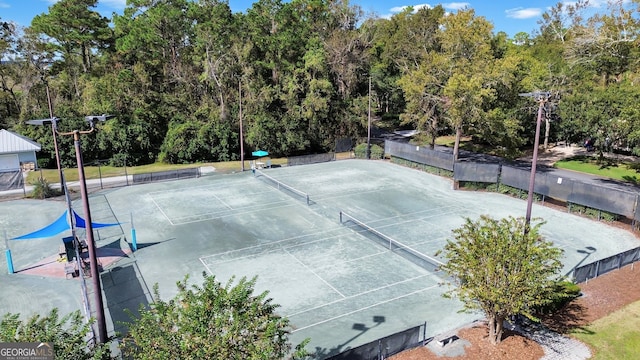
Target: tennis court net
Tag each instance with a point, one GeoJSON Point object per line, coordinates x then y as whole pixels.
{"type": "Point", "coordinates": [397, 247]}
{"type": "Point", "coordinates": [284, 187]}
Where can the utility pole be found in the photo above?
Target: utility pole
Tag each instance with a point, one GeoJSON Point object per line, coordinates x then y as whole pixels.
{"type": "Point", "coordinates": [241, 135]}
{"type": "Point", "coordinates": [541, 97]}
{"type": "Point", "coordinates": [369, 123]}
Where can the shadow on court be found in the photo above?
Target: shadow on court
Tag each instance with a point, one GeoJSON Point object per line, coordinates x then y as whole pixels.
{"type": "Point", "coordinates": [125, 292]}
{"type": "Point", "coordinates": [322, 353]}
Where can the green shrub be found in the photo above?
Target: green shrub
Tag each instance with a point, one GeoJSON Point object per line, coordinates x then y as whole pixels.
{"type": "Point", "coordinates": [360, 151]}
{"type": "Point", "coordinates": [42, 189]}
{"type": "Point", "coordinates": [517, 193]}
{"type": "Point", "coordinates": [593, 213]}
{"type": "Point", "coordinates": [423, 167]}
{"type": "Point", "coordinates": [473, 185]}
{"type": "Point", "coordinates": [634, 166]}
{"type": "Point", "coordinates": [563, 293]}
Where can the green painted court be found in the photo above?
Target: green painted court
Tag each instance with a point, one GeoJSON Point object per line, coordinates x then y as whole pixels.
{"type": "Point", "coordinates": [339, 285]}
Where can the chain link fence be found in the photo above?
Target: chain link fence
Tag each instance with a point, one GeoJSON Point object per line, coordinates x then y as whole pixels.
{"type": "Point", "coordinates": [11, 180]}
{"type": "Point", "coordinates": [601, 197]}
{"type": "Point", "coordinates": [387, 346]}
{"type": "Point", "coordinates": [419, 154]}
{"type": "Point", "coordinates": [589, 271]}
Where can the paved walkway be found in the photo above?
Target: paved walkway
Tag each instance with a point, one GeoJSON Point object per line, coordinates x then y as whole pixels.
{"type": "Point", "coordinates": [556, 346]}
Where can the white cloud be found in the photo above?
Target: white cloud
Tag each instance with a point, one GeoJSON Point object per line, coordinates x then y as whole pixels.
{"type": "Point", "coordinates": [455, 5]}
{"type": "Point", "coordinates": [598, 4]}
{"type": "Point", "coordinates": [523, 13]}
{"type": "Point", "coordinates": [450, 6]}
{"type": "Point", "coordinates": [4, 6]}
{"type": "Point", "coordinates": [398, 9]}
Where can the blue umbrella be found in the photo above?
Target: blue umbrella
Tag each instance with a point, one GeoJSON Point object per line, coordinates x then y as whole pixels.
{"type": "Point", "coordinates": [259, 153]}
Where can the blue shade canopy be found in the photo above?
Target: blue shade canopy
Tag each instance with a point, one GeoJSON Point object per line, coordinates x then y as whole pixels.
{"type": "Point", "coordinates": [55, 228]}
{"type": "Point", "coordinates": [81, 223]}
{"type": "Point", "coordinates": [58, 226]}
{"type": "Point", "coordinates": [260, 153]}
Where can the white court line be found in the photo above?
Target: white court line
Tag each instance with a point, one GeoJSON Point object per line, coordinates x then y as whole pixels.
{"type": "Point", "coordinates": [215, 216]}
{"type": "Point", "coordinates": [223, 203]}
{"type": "Point", "coordinates": [418, 212]}
{"type": "Point", "coordinates": [210, 185]}
{"type": "Point", "coordinates": [254, 209]}
{"type": "Point", "coordinates": [205, 266]}
{"type": "Point", "coordinates": [364, 308]}
{"type": "Point", "coordinates": [245, 209]}
{"type": "Point", "coordinates": [314, 273]}
{"type": "Point", "coordinates": [285, 247]}
{"type": "Point", "coordinates": [280, 241]}
{"type": "Point", "coordinates": [356, 295]}
{"type": "Point", "coordinates": [381, 252]}
{"type": "Point", "coordinates": [342, 195]}
{"type": "Point", "coordinates": [412, 220]}
{"type": "Point", "coordinates": [162, 212]}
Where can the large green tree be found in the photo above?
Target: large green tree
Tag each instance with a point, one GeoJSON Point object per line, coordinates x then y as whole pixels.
{"type": "Point", "coordinates": [68, 334]}
{"type": "Point", "coordinates": [501, 269]}
{"type": "Point", "coordinates": [76, 30]}
{"type": "Point", "coordinates": [466, 42]}
{"type": "Point", "coordinates": [212, 321]}
{"type": "Point", "coordinates": [9, 74]}
{"type": "Point", "coordinates": [303, 68]}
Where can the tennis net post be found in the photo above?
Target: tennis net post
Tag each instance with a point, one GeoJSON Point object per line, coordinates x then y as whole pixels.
{"type": "Point", "coordinates": [434, 263]}
{"type": "Point", "coordinates": [280, 186]}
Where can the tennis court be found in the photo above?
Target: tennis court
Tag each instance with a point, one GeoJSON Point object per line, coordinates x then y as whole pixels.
{"type": "Point", "coordinates": [339, 284]}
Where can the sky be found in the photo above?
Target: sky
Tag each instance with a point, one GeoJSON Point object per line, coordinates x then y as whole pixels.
{"type": "Point", "coordinates": [510, 16]}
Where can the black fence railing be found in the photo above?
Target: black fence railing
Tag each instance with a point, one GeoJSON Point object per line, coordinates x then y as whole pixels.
{"type": "Point", "coordinates": [166, 175]}
{"type": "Point", "coordinates": [387, 346]}
{"type": "Point", "coordinates": [600, 195]}
{"type": "Point", "coordinates": [310, 159]}
{"type": "Point", "coordinates": [589, 271]}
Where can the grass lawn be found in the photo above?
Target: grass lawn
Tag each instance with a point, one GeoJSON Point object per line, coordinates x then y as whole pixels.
{"type": "Point", "coordinates": [93, 172]}
{"type": "Point", "coordinates": [615, 337]}
{"type": "Point", "coordinates": [607, 168]}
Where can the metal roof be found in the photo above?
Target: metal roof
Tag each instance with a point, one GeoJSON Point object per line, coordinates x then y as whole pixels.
{"type": "Point", "coordinates": [11, 142]}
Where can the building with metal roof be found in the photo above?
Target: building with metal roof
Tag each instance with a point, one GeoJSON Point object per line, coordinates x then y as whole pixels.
{"type": "Point", "coordinates": [16, 150]}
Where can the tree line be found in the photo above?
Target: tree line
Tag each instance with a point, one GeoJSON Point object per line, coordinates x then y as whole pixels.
{"type": "Point", "coordinates": [181, 76]}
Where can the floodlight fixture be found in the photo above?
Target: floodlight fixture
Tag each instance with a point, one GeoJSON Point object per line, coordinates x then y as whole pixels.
{"type": "Point", "coordinates": [96, 118]}
{"type": "Point", "coordinates": [53, 121]}
{"type": "Point", "coordinates": [54, 130]}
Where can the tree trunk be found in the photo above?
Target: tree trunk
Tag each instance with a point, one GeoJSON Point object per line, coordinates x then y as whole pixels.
{"type": "Point", "coordinates": [433, 129]}
{"type": "Point", "coordinates": [496, 323]}
{"type": "Point", "coordinates": [456, 145]}
{"type": "Point", "coordinates": [547, 129]}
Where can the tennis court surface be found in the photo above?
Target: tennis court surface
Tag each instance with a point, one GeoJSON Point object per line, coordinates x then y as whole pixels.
{"type": "Point", "coordinates": [342, 280]}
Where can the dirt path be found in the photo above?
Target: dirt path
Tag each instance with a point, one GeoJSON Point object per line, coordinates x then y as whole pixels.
{"type": "Point", "coordinates": [550, 156]}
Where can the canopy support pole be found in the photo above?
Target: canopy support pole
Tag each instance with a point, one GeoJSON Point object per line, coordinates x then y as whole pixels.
{"type": "Point", "coordinates": [7, 253]}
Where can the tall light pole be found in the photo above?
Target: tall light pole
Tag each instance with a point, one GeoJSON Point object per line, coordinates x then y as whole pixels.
{"type": "Point", "coordinates": [541, 97]}
{"type": "Point", "coordinates": [241, 135]}
{"type": "Point", "coordinates": [93, 261]}
{"type": "Point", "coordinates": [369, 123]}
